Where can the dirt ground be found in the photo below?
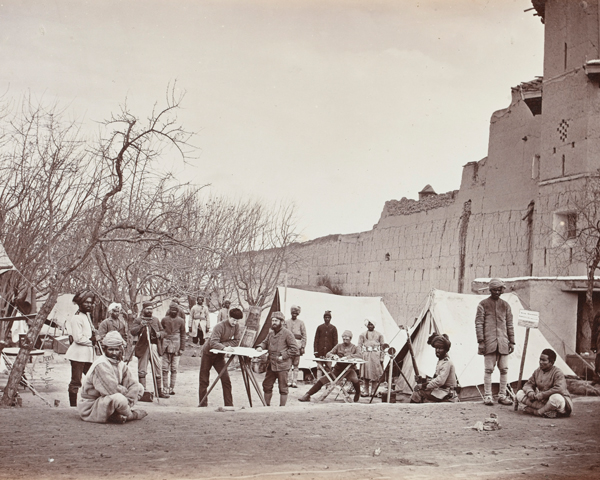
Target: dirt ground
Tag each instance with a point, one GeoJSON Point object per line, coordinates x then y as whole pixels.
{"type": "Point", "coordinates": [331, 440]}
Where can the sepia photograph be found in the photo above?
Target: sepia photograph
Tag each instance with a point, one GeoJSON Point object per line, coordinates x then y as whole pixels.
{"type": "Point", "coordinates": [303, 239]}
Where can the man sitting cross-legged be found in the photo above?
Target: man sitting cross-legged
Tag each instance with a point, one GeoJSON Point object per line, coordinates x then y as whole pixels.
{"type": "Point", "coordinates": [442, 387]}
{"type": "Point", "coordinates": [109, 388]}
{"type": "Point", "coordinates": [545, 394]}
{"type": "Point", "coordinates": [342, 351]}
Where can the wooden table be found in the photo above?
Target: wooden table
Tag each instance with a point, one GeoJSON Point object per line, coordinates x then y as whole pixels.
{"type": "Point", "coordinates": [244, 354]}
{"type": "Point", "coordinates": [336, 381]}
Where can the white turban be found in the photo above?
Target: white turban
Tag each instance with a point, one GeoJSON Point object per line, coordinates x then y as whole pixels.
{"type": "Point", "coordinates": [114, 305]}
{"type": "Point", "coordinates": [295, 307]}
{"type": "Point", "coordinates": [113, 339]}
{"type": "Point", "coordinates": [367, 321]}
{"type": "Point", "coordinates": [496, 283]}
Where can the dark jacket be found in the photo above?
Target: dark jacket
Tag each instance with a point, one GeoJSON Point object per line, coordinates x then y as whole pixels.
{"type": "Point", "coordinates": [326, 337]}
{"type": "Point", "coordinates": [174, 340]}
{"type": "Point", "coordinates": [156, 335]}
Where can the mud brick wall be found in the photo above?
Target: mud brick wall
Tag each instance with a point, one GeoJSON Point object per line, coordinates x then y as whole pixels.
{"type": "Point", "coordinates": [444, 241]}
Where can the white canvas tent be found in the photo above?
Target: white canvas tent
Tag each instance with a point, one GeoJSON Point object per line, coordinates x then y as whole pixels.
{"type": "Point", "coordinates": [454, 314]}
{"type": "Point", "coordinates": [348, 313]}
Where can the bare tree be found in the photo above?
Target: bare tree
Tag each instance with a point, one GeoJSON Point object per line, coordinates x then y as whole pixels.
{"type": "Point", "coordinates": [262, 251]}
{"type": "Point", "coordinates": [577, 239]}
{"type": "Point", "coordinates": [64, 194]}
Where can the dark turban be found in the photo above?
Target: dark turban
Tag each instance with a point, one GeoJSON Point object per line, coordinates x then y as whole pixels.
{"type": "Point", "coordinates": [82, 295]}
{"type": "Point", "coordinates": [147, 304]}
{"type": "Point", "coordinates": [236, 313]}
{"type": "Point", "coordinates": [439, 341]}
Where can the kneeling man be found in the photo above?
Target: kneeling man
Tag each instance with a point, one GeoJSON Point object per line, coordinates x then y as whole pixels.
{"type": "Point", "coordinates": [110, 389]}
{"type": "Point", "coordinates": [341, 352]}
{"type": "Point", "coordinates": [440, 388]}
{"type": "Point", "coordinates": [545, 394]}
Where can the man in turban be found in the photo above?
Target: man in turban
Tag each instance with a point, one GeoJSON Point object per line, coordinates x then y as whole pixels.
{"type": "Point", "coordinates": [326, 337]}
{"type": "Point", "coordinates": [200, 321]}
{"type": "Point", "coordinates": [173, 346]}
{"type": "Point", "coordinates": [149, 350]}
{"type": "Point", "coordinates": [340, 353]}
{"type": "Point", "coordinates": [282, 347]}
{"type": "Point", "coordinates": [114, 322]}
{"type": "Point", "coordinates": [370, 343]}
{"type": "Point", "coordinates": [442, 387]}
{"type": "Point", "coordinates": [109, 389]}
{"type": "Point", "coordinates": [496, 338]}
{"type": "Point", "coordinates": [545, 394]}
{"type": "Point", "coordinates": [223, 314]}
{"type": "Point", "coordinates": [298, 329]}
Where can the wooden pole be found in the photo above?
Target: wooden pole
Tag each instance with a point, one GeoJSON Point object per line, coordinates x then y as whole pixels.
{"type": "Point", "coordinates": [391, 367]}
{"type": "Point", "coordinates": [516, 406]}
{"type": "Point", "coordinates": [412, 353]}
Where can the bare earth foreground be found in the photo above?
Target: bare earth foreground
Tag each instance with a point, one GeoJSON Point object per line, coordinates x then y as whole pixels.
{"type": "Point", "coordinates": [332, 440]}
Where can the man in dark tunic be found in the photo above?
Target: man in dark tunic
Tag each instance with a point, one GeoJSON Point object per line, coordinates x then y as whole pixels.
{"type": "Point", "coordinates": [326, 337]}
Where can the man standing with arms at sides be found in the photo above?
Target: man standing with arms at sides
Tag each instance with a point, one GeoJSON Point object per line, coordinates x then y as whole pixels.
{"type": "Point", "coordinates": [496, 338]}
{"type": "Point", "coordinates": [224, 312]}
{"type": "Point", "coordinates": [370, 343]}
{"type": "Point", "coordinates": [282, 346]}
{"type": "Point", "coordinates": [326, 337]}
{"type": "Point", "coordinates": [173, 346]}
{"type": "Point", "coordinates": [298, 329]}
{"type": "Point", "coordinates": [224, 336]}
{"type": "Point", "coordinates": [200, 321]}
{"type": "Point", "coordinates": [113, 322]}
{"type": "Point", "coordinates": [149, 349]}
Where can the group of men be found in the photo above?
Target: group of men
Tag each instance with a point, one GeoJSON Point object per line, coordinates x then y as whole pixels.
{"type": "Point", "coordinates": [109, 391]}
{"type": "Point", "coordinates": [285, 344]}
{"type": "Point", "coordinates": [544, 394]}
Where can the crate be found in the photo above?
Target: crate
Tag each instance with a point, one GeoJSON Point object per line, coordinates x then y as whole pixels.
{"type": "Point", "coordinates": [60, 344]}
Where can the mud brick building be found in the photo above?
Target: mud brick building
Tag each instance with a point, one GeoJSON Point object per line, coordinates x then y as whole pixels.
{"type": "Point", "coordinates": [511, 213]}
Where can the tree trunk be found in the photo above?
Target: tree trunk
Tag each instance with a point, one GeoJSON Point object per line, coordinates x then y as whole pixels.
{"type": "Point", "coordinates": [585, 338]}
{"type": "Point", "coordinates": [16, 373]}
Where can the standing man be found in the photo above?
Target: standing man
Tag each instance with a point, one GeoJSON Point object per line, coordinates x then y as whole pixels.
{"type": "Point", "coordinates": [200, 321]}
{"type": "Point", "coordinates": [442, 387]}
{"type": "Point", "coordinates": [149, 349]}
{"type": "Point", "coordinates": [82, 336]}
{"type": "Point", "coordinates": [224, 336]}
{"type": "Point", "coordinates": [110, 390]}
{"type": "Point", "coordinates": [341, 353]}
{"type": "Point", "coordinates": [326, 337]}
{"type": "Point", "coordinates": [545, 394]}
{"type": "Point", "coordinates": [370, 343]}
{"type": "Point", "coordinates": [173, 347]}
{"type": "Point", "coordinates": [496, 338]}
{"type": "Point", "coordinates": [224, 312]}
{"type": "Point", "coordinates": [298, 329]}
{"type": "Point", "coordinates": [112, 323]}
{"type": "Point", "coordinates": [282, 346]}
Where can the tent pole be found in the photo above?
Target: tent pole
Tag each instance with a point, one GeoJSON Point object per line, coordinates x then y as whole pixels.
{"type": "Point", "coordinates": [522, 366]}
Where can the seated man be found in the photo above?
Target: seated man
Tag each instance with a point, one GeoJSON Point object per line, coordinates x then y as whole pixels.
{"type": "Point", "coordinates": [440, 388]}
{"type": "Point", "coordinates": [545, 394]}
{"type": "Point", "coordinates": [109, 388]}
{"type": "Point", "coordinates": [342, 351]}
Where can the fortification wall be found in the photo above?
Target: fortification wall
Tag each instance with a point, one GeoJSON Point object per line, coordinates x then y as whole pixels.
{"type": "Point", "coordinates": [444, 241]}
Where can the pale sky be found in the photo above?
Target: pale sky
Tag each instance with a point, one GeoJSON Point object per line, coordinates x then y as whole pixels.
{"type": "Point", "coordinates": [334, 105]}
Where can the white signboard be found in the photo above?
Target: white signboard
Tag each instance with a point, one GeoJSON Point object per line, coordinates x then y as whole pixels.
{"type": "Point", "coordinates": [529, 319]}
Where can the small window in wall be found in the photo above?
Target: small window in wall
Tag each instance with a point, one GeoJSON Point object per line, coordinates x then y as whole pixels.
{"type": "Point", "coordinates": [565, 227]}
